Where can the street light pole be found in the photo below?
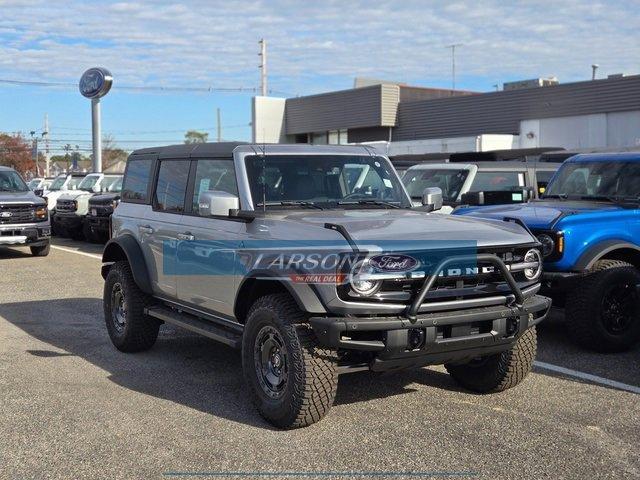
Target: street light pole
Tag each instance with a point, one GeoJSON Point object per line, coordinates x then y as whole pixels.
{"type": "Point", "coordinates": [453, 63]}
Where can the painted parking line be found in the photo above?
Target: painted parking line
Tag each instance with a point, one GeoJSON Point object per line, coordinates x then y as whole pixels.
{"type": "Point", "coordinates": [587, 376]}
{"type": "Point", "coordinates": [70, 250]}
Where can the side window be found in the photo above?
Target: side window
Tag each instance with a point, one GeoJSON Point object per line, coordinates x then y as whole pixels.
{"type": "Point", "coordinates": [136, 181]}
{"type": "Point", "coordinates": [217, 175]}
{"type": "Point", "coordinates": [172, 185]}
{"type": "Point", "coordinates": [492, 181]}
{"type": "Point", "coordinates": [542, 179]}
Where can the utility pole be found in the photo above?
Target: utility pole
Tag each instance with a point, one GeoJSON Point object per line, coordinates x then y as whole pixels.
{"type": "Point", "coordinates": [45, 134]}
{"type": "Point", "coordinates": [594, 69]}
{"type": "Point", "coordinates": [453, 47]}
{"type": "Point", "coordinates": [263, 66]}
{"type": "Point", "coordinates": [219, 126]}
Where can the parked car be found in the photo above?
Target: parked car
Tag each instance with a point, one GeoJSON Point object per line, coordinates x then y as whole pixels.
{"type": "Point", "coordinates": [72, 207]}
{"type": "Point", "coordinates": [101, 207]}
{"type": "Point", "coordinates": [274, 250]}
{"type": "Point", "coordinates": [40, 184]}
{"type": "Point", "coordinates": [588, 223]}
{"type": "Point", "coordinates": [456, 179]}
{"type": "Point", "coordinates": [24, 218]}
{"type": "Point", "coordinates": [58, 187]}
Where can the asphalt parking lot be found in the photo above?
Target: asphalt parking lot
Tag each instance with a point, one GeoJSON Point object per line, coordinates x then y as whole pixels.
{"type": "Point", "coordinates": [71, 406]}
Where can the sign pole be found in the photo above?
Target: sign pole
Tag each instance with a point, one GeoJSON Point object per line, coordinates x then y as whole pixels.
{"type": "Point", "coordinates": [94, 84]}
{"type": "Point", "coordinates": [96, 134]}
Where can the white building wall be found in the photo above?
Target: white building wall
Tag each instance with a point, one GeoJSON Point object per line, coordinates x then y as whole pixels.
{"type": "Point", "coordinates": [583, 132]}
{"type": "Point", "coordinates": [267, 120]}
{"type": "Point", "coordinates": [477, 143]}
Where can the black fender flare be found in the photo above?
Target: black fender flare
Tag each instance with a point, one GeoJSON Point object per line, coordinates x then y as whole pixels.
{"type": "Point", "coordinates": [307, 298]}
{"type": "Point", "coordinates": [599, 250]}
{"type": "Point", "coordinates": [128, 245]}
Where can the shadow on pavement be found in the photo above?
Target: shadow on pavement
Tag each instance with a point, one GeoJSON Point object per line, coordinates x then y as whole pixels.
{"type": "Point", "coordinates": [182, 367]}
{"type": "Point", "coordinates": [14, 252]}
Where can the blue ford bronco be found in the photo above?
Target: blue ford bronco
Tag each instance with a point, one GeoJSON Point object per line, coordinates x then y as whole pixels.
{"type": "Point", "coordinates": [588, 222]}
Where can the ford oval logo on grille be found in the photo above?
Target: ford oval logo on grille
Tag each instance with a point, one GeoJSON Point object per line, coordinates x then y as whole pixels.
{"type": "Point", "coordinates": [6, 214]}
{"type": "Point", "coordinates": [393, 263]}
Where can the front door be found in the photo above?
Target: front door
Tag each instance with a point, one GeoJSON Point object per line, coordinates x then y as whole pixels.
{"type": "Point", "coordinates": [206, 251]}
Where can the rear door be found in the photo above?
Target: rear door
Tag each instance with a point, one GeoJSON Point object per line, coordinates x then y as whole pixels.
{"type": "Point", "coordinates": [162, 222]}
{"type": "Point", "coordinates": [207, 246]}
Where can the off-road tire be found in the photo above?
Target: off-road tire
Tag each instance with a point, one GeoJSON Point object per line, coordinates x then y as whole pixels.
{"type": "Point", "coordinates": [584, 309]}
{"type": "Point", "coordinates": [139, 331]}
{"type": "Point", "coordinates": [498, 372]}
{"type": "Point", "coordinates": [41, 250]}
{"type": "Point", "coordinates": [312, 378]}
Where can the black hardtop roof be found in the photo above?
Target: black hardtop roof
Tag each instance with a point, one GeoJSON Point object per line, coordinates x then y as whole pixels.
{"type": "Point", "coordinates": [226, 149]}
{"type": "Point", "coordinates": [186, 150]}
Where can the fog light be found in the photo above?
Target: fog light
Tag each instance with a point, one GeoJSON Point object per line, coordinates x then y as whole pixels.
{"type": "Point", "coordinates": [416, 339]}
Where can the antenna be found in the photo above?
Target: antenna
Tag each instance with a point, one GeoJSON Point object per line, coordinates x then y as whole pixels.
{"type": "Point", "coordinates": [453, 47]}
{"type": "Point", "coordinates": [263, 66]}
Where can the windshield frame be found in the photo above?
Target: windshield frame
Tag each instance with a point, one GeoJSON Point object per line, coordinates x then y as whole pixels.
{"type": "Point", "coordinates": [17, 178]}
{"type": "Point", "coordinates": [248, 203]}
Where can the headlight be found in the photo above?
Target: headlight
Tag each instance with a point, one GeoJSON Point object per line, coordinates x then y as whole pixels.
{"type": "Point", "coordinates": [360, 283]}
{"type": "Point", "coordinates": [533, 257]}
{"type": "Point", "coordinates": [548, 244]}
{"type": "Point", "coordinates": [41, 212]}
{"type": "Point", "coordinates": [114, 204]}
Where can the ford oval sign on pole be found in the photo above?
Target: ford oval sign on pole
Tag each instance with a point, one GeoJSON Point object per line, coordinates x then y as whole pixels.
{"type": "Point", "coordinates": [94, 84]}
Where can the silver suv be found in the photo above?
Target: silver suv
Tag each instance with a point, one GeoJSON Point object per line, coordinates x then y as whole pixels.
{"type": "Point", "coordinates": [313, 262]}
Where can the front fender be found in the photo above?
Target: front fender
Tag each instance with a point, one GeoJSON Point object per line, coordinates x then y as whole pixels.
{"type": "Point", "coordinates": [598, 251]}
{"type": "Point", "coordinates": [126, 247]}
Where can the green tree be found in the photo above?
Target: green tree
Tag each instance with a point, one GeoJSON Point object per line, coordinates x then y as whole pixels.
{"type": "Point", "coordinates": [193, 136]}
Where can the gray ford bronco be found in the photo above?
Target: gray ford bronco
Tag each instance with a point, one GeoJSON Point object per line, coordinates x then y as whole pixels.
{"type": "Point", "coordinates": [313, 262]}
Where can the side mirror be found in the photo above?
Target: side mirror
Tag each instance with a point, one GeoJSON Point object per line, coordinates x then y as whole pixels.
{"type": "Point", "coordinates": [39, 192]}
{"type": "Point", "coordinates": [214, 203]}
{"type": "Point", "coordinates": [432, 199]}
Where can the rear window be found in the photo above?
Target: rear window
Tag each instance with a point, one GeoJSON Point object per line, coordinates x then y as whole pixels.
{"type": "Point", "coordinates": [136, 181]}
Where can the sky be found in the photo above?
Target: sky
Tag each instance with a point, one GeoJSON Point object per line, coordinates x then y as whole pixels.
{"type": "Point", "coordinates": [312, 47]}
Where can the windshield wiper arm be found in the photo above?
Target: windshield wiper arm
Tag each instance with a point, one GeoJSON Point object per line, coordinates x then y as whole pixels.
{"type": "Point", "coordinates": [611, 198]}
{"type": "Point", "coordinates": [369, 202]}
{"type": "Point", "coordinates": [561, 196]}
{"type": "Point", "coordinates": [291, 203]}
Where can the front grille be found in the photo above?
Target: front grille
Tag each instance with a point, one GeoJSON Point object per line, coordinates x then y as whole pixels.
{"type": "Point", "coordinates": [16, 214]}
{"type": "Point", "coordinates": [65, 206]}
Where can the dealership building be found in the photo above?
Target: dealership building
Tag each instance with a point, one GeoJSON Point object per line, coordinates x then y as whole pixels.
{"type": "Point", "coordinates": [594, 115]}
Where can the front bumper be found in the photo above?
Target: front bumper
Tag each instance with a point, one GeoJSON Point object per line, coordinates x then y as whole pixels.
{"type": "Point", "coordinates": [25, 234]}
{"type": "Point", "coordinates": [449, 337]}
{"type": "Point", "coordinates": [98, 223]}
{"type": "Point", "coordinates": [69, 221]}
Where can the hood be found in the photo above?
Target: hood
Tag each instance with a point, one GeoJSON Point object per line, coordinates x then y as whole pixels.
{"type": "Point", "coordinates": [538, 214]}
{"type": "Point", "coordinates": [74, 194]}
{"type": "Point", "coordinates": [394, 225]}
{"type": "Point", "coordinates": [20, 197]}
{"type": "Point", "coordinates": [105, 198]}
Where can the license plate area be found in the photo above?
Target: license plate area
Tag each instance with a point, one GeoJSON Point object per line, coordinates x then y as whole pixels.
{"type": "Point", "coordinates": [463, 330]}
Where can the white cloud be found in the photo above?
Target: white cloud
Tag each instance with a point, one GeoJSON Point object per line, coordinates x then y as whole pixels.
{"type": "Point", "coordinates": [316, 46]}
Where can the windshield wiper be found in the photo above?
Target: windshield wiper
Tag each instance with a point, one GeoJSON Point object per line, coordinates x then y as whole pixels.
{"type": "Point", "coordinates": [369, 202]}
{"type": "Point", "coordinates": [290, 203]}
{"type": "Point", "coordinates": [611, 198]}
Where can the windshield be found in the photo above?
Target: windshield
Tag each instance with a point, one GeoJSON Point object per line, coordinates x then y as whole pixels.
{"type": "Point", "coordinates": [326, 181]}
{"type": "Point", "coordinates": [57, 183]}
{"type": "Point", "coordinates": [450, 181]}
{"type": "Point", "coordinates": [10, 181]}
{"type": "Point", "coordinates": [112, 184]}
{"type": "Point", "coordinates": [87, 183]}
{"type": "Point", "coordinates": [601, 179]}
{"type": "Point", "coordinates": [34, 183]}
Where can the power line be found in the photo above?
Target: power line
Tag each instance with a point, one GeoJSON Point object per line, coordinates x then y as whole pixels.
{"type": "Point", "coordinates": [208, 89]}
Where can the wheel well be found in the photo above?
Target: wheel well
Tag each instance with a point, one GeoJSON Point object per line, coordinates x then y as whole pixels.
{"type": "Point", "coordinates": [628, 255]}
{"type": "Point", "coordinates": [251, 290]}
{"type": "Point", "coordinates": [113, 253]}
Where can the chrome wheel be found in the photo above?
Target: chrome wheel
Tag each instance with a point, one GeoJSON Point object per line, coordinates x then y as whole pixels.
{"type": "Point", "coordinates": [118, 308]}
{"type": "Point", "coordinates": [270, 358]}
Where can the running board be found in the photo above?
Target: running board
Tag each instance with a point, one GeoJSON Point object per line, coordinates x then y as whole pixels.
{"type": "Point", "coordinates": [194, 324]}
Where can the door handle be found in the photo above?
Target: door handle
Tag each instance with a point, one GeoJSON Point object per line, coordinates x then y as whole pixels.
{"type": "Point", "coordinates": [146, 229]}
{"type": "Point", "coordinates": [186, 236]}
